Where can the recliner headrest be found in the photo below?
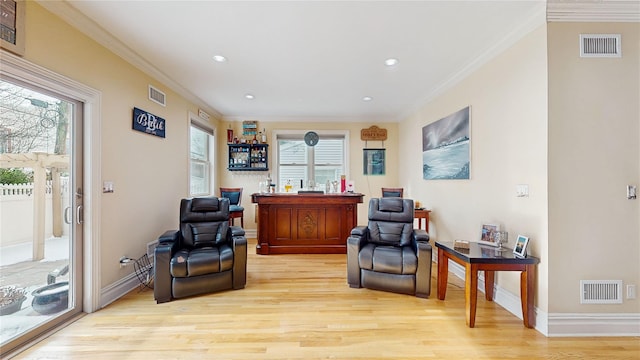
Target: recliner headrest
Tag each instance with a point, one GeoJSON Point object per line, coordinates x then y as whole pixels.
{"type": "Point", "coordinates": [202, 209]}
{"type": "Point", "coordinates": [391, 209]}
{"type": "Point", "coordinates": [390, 204]}
{"type": "Point", "coordinates": [204, 204]}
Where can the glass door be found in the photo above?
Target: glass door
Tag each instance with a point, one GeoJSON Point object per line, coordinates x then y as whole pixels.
{"type": "Point", "coordinates": [40, 211]}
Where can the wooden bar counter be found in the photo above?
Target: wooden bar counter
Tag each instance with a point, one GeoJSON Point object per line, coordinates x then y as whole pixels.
{"type": "Point", "coordinates": [305, 223]}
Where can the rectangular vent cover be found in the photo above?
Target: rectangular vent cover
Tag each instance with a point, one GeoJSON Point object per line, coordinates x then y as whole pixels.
{"type": "Point", "coordinates": [600, 45]}
{"type": "Point", "coordinates": [157, 96]}
{"type": "Point", "coordinates": [600, 291]}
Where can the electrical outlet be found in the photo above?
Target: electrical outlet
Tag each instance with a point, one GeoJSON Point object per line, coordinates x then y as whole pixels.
{"type": "Point", "coordinates": [631, 291]}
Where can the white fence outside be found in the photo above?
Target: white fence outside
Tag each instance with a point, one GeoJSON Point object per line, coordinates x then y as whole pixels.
{"type": "Point", "coordinates": [16, 212]}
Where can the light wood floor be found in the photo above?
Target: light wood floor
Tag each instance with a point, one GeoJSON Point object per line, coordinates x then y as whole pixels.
{"type": "Point", "coordinates": [300, 307]}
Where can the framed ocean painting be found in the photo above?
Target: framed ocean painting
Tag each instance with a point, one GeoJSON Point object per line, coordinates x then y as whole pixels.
{"type": "Point", "coordinates": [446, 146]}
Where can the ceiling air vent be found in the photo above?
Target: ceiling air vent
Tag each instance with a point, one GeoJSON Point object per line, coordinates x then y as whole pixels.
{"type": "Point", "coordinates": [157, 96]}
{"type": "Point", "coordinates": [600, 291]}
{"type": "Point", "coordinates": [600, 45]}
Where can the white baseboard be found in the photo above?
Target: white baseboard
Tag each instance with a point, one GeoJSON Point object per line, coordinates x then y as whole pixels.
{"type": "Point", "coordinates": [118, 289]}
{"type": "Point", "coordinates": [562, 324]}
{"type": "Point", "coordinates": [572, 324]}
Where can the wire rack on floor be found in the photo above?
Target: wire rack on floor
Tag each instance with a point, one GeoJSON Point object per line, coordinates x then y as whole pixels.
{"type": "Point", "coordinates": [144, 272]}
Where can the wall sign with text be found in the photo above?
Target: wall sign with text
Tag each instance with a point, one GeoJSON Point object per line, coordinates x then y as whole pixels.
{"type": "Point", "coordinates": [148, 123]}
{"type": "Point", "coordinates": [373, 133]}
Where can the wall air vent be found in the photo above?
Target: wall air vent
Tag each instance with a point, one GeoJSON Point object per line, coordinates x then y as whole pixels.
{"type": "Point", "coordinates": [600, 291]}
{"type": "Point", "coordinates": [157, 96]}
{"type": "Point", "coordinates": [600, 45]}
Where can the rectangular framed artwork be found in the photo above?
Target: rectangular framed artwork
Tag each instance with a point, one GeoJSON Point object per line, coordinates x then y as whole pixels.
{"type": "Point", "coordinates": [446, 147]}
{"type": "Point", "coordinates": [373, 161]}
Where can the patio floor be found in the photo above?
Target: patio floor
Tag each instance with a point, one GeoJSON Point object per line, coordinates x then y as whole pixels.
{"type": "Point", "coordinates": [17, 269]}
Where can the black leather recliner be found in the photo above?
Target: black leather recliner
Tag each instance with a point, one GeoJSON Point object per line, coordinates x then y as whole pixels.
{"type": "Point", "coordinates": [204, 255]}
{"type": "Point", "coordinates": [389, 254]}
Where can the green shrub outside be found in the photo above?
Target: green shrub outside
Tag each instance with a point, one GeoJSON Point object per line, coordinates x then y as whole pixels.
{"type": "Point", "coordinates": [15, 176]}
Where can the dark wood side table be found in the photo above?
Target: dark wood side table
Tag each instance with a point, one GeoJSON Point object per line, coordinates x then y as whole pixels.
{"type": "Point", "coordinates": [422, 214]}
{"type": "Point", "coordinates": [488, 259]}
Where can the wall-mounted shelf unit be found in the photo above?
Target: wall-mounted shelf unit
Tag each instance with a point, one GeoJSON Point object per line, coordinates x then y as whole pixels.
{"type": "Point", "coordinates": [248, 157]}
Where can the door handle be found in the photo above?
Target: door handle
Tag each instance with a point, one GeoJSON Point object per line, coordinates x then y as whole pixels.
{"type": "Point", "coordinates": [79, 208]}
{"type": "Point", "coordinates": [79, 219]}
{"type": "Point", "coordinates": [67, 215]}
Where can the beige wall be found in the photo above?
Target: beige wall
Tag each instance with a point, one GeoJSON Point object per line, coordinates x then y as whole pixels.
{"type": "Point", "coordinates": [594, 153]}
{"type": "Point", "coordinates": [367, 185]}
{"type": "Point", "coordinates": [150, 173]}
{"type": "Point", "coordinates": [508, 147]}
{"type": "Point", "coordinates": [577, 157]}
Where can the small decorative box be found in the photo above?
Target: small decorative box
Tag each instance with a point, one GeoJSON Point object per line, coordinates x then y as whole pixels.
{"type": "Point", "coordinates": [461, 244]}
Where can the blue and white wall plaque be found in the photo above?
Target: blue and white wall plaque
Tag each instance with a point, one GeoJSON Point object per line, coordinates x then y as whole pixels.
{"type": "Point", "coordinates": [148, 123]}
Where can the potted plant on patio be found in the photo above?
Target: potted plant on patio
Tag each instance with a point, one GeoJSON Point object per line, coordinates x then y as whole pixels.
{"type": "Point", "coordinates": [11, 299]}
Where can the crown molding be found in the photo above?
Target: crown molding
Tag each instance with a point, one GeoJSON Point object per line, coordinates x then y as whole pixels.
{"type": "Point", "coordinates": [535, 20]}
{"type": "Point", "coordinates": [91, 29]}
{"type": "Point", "coordinates": [593, 11]}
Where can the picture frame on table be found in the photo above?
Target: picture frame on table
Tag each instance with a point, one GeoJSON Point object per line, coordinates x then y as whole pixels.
{"type": "Point", "coordinates": [520, 248]}
{"type": "Point", "coordinates": [487, 234]}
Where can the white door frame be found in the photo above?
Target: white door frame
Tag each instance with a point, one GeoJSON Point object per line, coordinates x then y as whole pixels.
{"type": "Point", "coordinates": [36, 75]}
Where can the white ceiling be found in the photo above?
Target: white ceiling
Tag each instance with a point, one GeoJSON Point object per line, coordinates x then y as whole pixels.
{"type": "Point", "coordinates": [307, 60]}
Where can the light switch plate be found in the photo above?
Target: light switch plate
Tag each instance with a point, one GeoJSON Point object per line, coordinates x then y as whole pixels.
{"type": "Point", "coordinates": [107, 187]}
{"type": "Point", "coordinates": [522, 190]}
{"type": "Point", "coordinates": [631, 192]}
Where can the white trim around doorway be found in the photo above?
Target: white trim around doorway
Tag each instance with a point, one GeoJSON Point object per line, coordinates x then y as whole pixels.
{"type": "Point", "coordinates": [30, 73]}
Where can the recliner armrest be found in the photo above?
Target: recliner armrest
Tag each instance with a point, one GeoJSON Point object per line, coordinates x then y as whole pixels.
{"type": "Point", "coordinates": [359, 237]}
{"type": "Point", "coordinates": [236, 231]}
{"type": "Point", "coordinates": [420, 235]}
{"type": "Point", "coordinates": [359, 231]}
{"type": "Point", "coordinates": [423, 274]}
{"type": "Point", "coordinates": [169, 236]}
{"type": "Point", "coordinates": [239, 261]}
{"type": "Point", "coordinates": [161, 267]}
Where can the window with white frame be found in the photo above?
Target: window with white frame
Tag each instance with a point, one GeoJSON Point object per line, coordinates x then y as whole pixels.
{"type": "Point", "coordinates": [297, 162]}
{"type": "Point", "coordinates": [201, 148]}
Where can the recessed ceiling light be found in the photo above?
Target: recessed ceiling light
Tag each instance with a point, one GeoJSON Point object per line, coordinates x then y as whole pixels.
{"type": "Point", "coordinates": [249, 96]}
{"type": "Point", "coordinates": [367, 98]}
{"type": "Point", "coordinates": [391, 62]}
{"type": "Point", "coordinates": [219, 58]}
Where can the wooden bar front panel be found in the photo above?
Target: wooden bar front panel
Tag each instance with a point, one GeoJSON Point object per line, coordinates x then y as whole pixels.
{"type": "Point", "coordinates": [305, 223]}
